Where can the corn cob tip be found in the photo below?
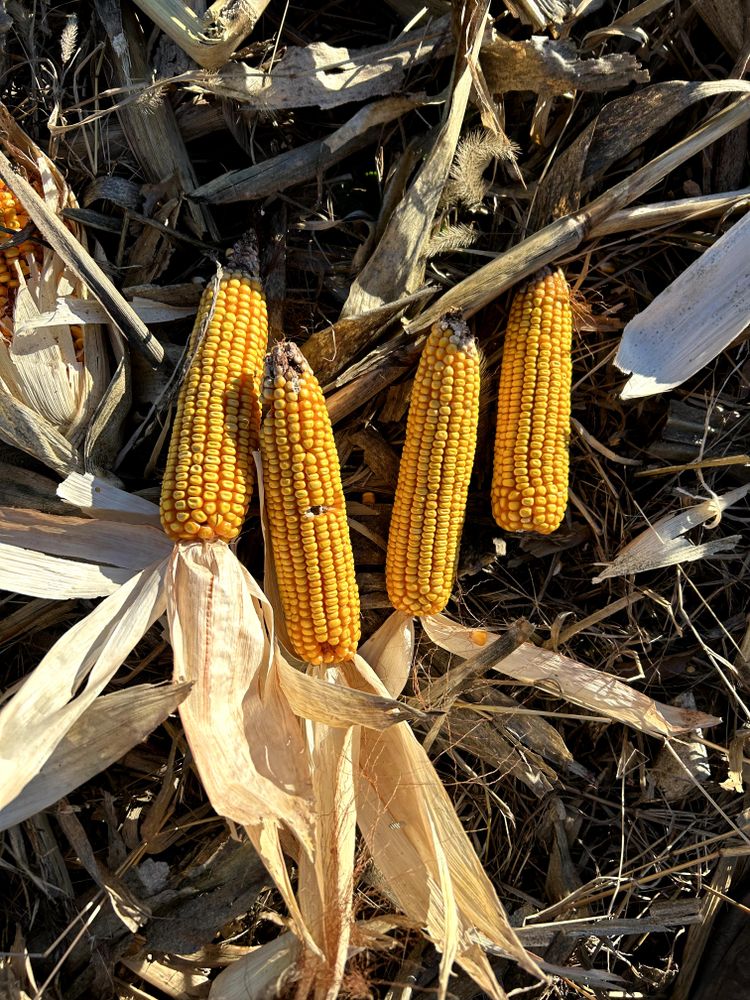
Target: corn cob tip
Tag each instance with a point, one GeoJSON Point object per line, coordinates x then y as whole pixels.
{"type": "Point", "coordinates": [287, 361]}
{"type": "Point", "coordinates": [244, 256]}
{"type": "Point", "coordinates": [454, 321]}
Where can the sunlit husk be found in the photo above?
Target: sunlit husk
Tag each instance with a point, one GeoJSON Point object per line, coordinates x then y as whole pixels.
{"type": "Point", "coordinates": [66, 682]}
{"type": "Point", "coordinates": [59, 371]}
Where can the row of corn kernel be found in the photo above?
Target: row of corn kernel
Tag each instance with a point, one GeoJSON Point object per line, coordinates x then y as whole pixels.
{"type": "Point", "coordinates": [530, 475]}
{"type": "Point", "coordinates": [209, 476]}
{"type": "Point", "coordinates": [14, 218]}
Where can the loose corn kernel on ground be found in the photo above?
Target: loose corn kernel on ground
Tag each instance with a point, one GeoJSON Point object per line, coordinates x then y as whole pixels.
{"type": "Point", "coordinates": [530, 475]}
{"type": "Point", "coordinates": [12, 216]}
{"type": "Point", "coordinates": [306, 512]}
{"type": "Point", "coordinates": [209, 478]}
{"type": "Point", "coordinates": [433, 480]}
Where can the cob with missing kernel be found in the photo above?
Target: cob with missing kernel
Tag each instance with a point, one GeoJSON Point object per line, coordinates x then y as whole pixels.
{"type": "Point", "coordinates": [433, 480]}
{"type": "Point", "coordinates": [306, 512]}
{"type": "Point", "coordinates": [209, 477]}
{"type": "Point", "coordinates": [530, 475]}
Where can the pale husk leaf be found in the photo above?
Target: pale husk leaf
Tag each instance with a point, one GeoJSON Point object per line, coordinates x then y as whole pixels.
{"type": "Point", "coordinates": [25, 571]}
{"type": "Point", "coordinates": [391, 649]}
{"type": "Point", "coordinates": [262, 974]}
{"type": "Point", "coordinates": [662, 543]}
{"type": "Point", "coordinates": [106, 731]}
{"type": "Point", "coordinates": [692, 321]}
{"type": "Point", "coordinates": [407, 820]}
{"type": "Point", "coordinates": [337, 705]}
{"type": "Point", "coordinates": [600, 692]}
{"type": "Point", "coordinates": [90, 540]}
{"type": "Point", "coordinates": [103, 499]}
{"type": "Point", "coordinates": [247, 743]}
{"type": "Point", "coordinates": [456, 638]}
{"type": "Point", "coordinates": [39, 365]}
{"type": "Point", "coordinates": [326, 879]}
{"type": "Point", "coordinates": [69, 309]}
{"type": "Point", "coordinates": [72, 674]}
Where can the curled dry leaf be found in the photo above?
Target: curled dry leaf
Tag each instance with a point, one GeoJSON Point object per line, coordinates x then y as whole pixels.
{"type": "Point", "coordinates": [692, 320]}
{"type": "Point", "coordinates": [326, 77]}
{"type": "Point", "coordinates": [64, 685]}
{"type": "Point", "coordinates": [336, 704]}
{"type": "Point", "coordinates": [601, 693]}
{"type": "Point", "coordinates": [104, 733]}
{"type": "Point", "coordinates": [552, 66]}
{"type": "Point", "coordinates": [662, 543]}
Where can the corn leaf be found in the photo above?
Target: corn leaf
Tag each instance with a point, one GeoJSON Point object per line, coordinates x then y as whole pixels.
{"type": "Point", "coordinates": [662, 543]}
{"type": "Point", "coordinates": [107, 543]}
{"type": "Point", "coordinates": [25, 571]}
{"type": "Point", "coordinates": [420, 848]}
{"type": "Point", "coordinates": [103, 499]}
{"type": "Point", "coordinates": [106, 731]}
{"type": "Point", "coordinates": [601, 693]}
{"type": "Point", "coordinates": [73, 673]}
{"type": "Point", "coordinates": [692, 320]}
{"type": "Point", "coordinates": [326, 877]}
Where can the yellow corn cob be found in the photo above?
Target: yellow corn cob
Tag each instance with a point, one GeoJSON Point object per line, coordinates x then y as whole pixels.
{"type": "Point", "coordinates": [306, 512]}
{"type": "Point", "coordinates": [12, 216]}
{"type": "Point", "coordinates": [208, 481]}
{"type": "Point", "coordinates": [530, 476]}
{"type": "Point", "coordinates": [433, 479]}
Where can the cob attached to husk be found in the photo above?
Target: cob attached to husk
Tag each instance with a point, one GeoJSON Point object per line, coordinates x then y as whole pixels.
{"type": "Point", "coordinates": [530, 475]}
{"type": "Point", "coordinates": [13, 219]}
{"type": "Point", "coordinates": [210, 474]}
{"type": "Point", "coordinates": [306, 512]}
{"type": "Point", "coordinates": [436, 463]}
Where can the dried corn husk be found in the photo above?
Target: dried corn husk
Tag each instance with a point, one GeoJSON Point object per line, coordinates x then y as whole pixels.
{"type": "Point", "coordinates": [49, 388]}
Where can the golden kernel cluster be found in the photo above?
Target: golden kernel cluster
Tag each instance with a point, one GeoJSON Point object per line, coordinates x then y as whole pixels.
{"type": "Point", "coordinates": [307, 512]}
{"type": "Point", "coordinates": [210, 475]}
{"type": "Point", "coordinates": [530, 478]}
{"type": "Point", "coordinates": [433, 481]}
{"type": "Point", "coordinates": [12, 216]}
